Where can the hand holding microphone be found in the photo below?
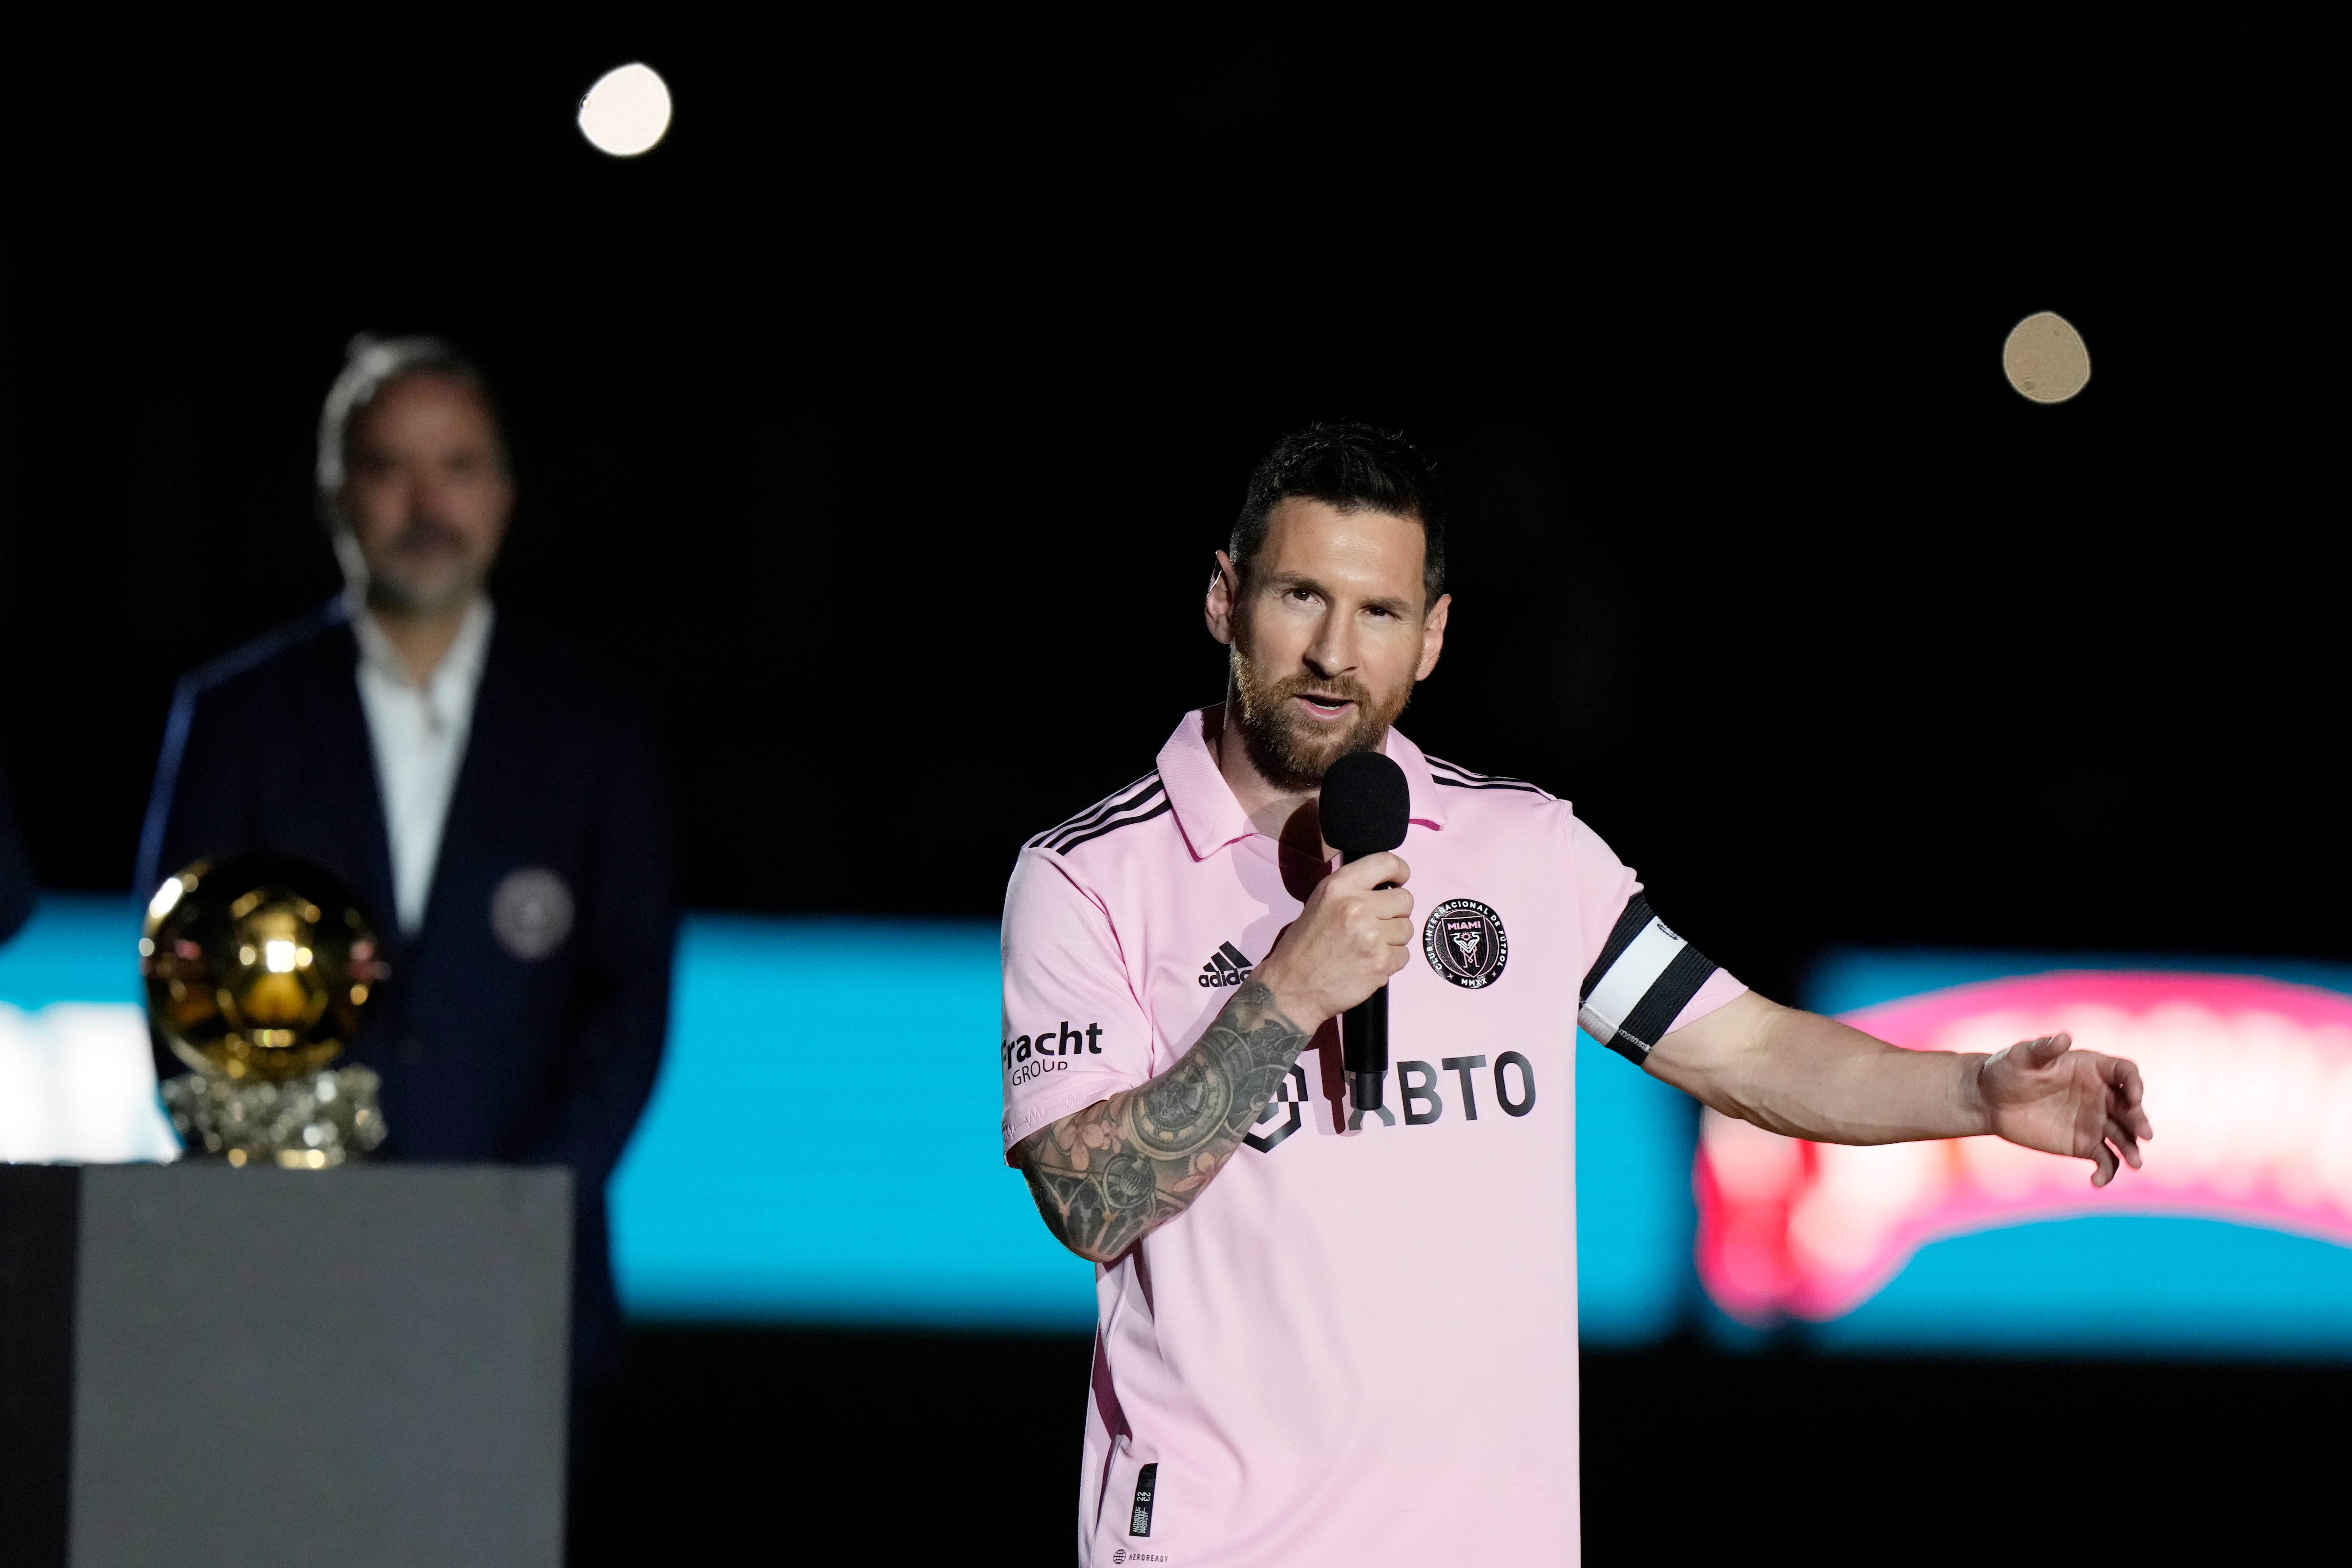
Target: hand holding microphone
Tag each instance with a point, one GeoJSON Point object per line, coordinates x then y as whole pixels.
{"type": "Point", "coordinates": [1357, 928]}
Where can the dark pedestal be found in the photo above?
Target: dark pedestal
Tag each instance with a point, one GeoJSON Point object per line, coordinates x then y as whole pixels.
{"type": "Point", "coordinates": [201, 1365]}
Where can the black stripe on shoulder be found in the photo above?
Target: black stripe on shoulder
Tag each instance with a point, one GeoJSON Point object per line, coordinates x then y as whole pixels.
{"type": "Point", "coordinates": [1115, 824]}
{"type": "Point", "coordinates": [1468, 775]}
{"type": "Point", "coordinates": [1458, 784]}
{"type": "Point", "coordinates": [1120, 797]}
{"type": "Point", "coordinates": [1458, 768]}
{"type": "Point", "coordinates": [1098, 821]}
{"type": "Point", "coordinates": [1454, 775]}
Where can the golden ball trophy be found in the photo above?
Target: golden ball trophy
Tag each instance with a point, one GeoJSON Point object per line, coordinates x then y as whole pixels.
{"type": "Point", "coordinates": [258, 969]}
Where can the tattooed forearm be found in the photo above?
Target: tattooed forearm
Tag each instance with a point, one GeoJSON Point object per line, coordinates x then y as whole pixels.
{"type": "Point", "coordinates": [1106, 1176]}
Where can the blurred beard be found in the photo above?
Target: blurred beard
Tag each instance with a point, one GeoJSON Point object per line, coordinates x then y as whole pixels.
{"type": "Point", "coordinates": [427, 569]}
{"type": "Point", "coordinates": [1286, 748]}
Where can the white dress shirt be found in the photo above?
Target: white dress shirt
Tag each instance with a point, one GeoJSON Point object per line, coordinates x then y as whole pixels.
{"type": "Point", "coordinates": [419, 737]}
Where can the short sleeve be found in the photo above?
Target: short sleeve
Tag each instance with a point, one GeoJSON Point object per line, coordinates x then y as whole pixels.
{"type": "Point", "coordinates": [1072, 1030]}
{"type": "Point", "coordinates": [1643, 980]}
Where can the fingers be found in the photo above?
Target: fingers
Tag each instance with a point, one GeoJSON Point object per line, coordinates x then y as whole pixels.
{"type": "Point", "coordinates": [2041, 1053]}
{"type": "Point", "coordinates": [2125, 1093]}
{"type": "Point", "coordinates": [1363, 883]}
{"type": "Point", "coordinates": [2124, 1124]}
{"type": "Point", "coordinates": [1372, 871]}
{"type": "Point", "coordinates": [2126, 1142]}
{"type": "Point", "coordinates": [2122, 1074]}
{"type": "Point", "coordinates": [2117, 1104]}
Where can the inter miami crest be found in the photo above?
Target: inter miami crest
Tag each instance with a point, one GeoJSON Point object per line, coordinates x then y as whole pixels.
{"type": "Point", "coordinates": [1464, 941]}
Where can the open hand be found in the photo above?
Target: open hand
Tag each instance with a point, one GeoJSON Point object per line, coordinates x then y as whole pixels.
{"type": "Point", "coordinates": [2046, 1095]}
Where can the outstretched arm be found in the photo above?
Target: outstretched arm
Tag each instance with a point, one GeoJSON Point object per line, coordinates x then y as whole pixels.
{"type": "Point", "coordinates": [1109, 1174]}
{"type": "Point", "coordinates": [1808, 1076]}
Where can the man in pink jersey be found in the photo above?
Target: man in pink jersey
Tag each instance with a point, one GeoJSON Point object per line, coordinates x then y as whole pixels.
{"type": "Point", "coordinates": [1332, 1335]}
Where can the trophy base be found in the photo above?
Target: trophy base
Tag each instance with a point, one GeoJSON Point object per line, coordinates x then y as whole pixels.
{"type": "Point", "coordinates": [306, 1123]}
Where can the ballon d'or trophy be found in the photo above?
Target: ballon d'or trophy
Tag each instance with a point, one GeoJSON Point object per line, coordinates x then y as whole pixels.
{"type": "Point", "coordinates": [258, 970]}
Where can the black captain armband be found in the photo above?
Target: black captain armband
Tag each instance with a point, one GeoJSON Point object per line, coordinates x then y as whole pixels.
{"type": "Point", "coordinates": [1643, 978]}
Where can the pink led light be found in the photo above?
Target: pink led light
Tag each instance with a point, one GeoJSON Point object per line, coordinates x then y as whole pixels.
{"type": "Point", "coordinates": [2248, 1085]}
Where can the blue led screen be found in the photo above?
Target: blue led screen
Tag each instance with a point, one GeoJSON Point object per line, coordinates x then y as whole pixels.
{"type": "Point", "coordinates": [822, 1149]}
{"type": "Point", "coordinates": [822, 1144]}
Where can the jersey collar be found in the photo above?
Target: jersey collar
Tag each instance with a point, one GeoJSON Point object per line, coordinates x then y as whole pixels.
{"type": "Point", "coordinates": [1212, 818]}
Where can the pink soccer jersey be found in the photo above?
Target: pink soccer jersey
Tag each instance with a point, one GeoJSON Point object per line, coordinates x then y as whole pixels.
{"type": "Point", "coordinates": [1358, 1345]}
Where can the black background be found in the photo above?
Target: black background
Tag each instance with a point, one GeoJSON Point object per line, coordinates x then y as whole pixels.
{"type": "Point", "coordinates": [884, 418]}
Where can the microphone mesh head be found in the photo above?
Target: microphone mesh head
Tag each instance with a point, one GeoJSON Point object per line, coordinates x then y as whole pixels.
{"type": "Point", "coordinates": [1365, 805]}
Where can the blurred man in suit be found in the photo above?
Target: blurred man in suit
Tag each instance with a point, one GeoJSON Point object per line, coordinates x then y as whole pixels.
{"type": "Point", "coordinates": [498, 803]}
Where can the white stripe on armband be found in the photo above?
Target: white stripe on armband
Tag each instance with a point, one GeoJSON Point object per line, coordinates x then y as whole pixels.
{"type": "Point", "coordinates": [1629, 980]}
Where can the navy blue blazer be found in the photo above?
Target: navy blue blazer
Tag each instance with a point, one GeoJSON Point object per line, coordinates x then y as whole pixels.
{"type": "Point", "coordinates": [485, 1055]}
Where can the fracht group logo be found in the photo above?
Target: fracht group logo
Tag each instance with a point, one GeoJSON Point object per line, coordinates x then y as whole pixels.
{"type": "Point", "coordinates": [2248, 1085]}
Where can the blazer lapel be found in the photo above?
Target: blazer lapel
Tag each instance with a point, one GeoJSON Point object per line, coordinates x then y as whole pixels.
{"type": "Point", "coordinates": [344, 757]}
{"type": "Point", "coordinates": [496, 758]}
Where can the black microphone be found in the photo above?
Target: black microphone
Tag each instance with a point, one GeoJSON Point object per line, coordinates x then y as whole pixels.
{"type": "Point", "coordinates": [1366, 804]}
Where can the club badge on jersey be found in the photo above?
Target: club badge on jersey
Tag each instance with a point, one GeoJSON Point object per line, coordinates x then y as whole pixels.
{"type": "Point", "coordinates": [1464, 943]}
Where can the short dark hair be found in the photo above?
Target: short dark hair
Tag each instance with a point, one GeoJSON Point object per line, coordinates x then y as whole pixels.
{"type": "Point", "coordinates": [370, 365]}
{"type": "Point", "coordinates": [1355, 468]}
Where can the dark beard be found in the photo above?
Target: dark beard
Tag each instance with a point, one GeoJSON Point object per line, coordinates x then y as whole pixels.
{"type": "Point", "coordinates": [1285, 754]}
{"type": "Point", "coordinates": [397, 588]}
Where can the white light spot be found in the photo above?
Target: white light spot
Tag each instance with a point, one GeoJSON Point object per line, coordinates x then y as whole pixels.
{"type": "Point", "coordinates": [626, 112]}
{"type": "Point", "coordinates": [2045, 358]}
{"type": "Point", "coordinates": [278, 957]}
{"type": "Point", "coordinates": [166, 899]}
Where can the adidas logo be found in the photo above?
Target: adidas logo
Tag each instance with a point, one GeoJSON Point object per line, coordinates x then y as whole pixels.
{"type": "Point", "coordinates": [1226, 966]}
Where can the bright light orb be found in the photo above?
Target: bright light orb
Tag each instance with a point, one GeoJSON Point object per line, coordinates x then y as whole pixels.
{"type": "Point", "coordinates": [2044, 358]}
{"type": "Point", "coordinates": [627, 110]}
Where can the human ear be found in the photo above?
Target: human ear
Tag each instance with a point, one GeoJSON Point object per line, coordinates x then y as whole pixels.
{"type": "Point", "coordinates": [1224, 591]}
{"type": "Point", "coordinates": [1432, 635]}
